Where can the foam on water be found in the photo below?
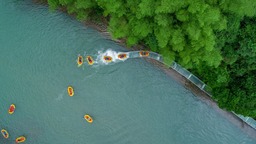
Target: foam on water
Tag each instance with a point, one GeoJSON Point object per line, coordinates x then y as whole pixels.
{"type": "Point", "coordinates": [111, 53]}
{"type": "Point", "coordinates": [108, 52]}
{"type": "Point", "coordinates": [60, 96]}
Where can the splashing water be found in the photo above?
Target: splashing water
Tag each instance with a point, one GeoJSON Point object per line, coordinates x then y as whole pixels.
{"type": "Point", "coordinates": [109, 52]}
{"type": "Point", "coordinates": [114, 55]}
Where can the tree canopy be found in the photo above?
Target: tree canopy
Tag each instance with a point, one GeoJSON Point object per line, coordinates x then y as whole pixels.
{"type": "Point", "coordinates": [214, 39]}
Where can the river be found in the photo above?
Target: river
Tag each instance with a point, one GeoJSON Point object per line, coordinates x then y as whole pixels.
{"type": "Point", "coordinates": [131, 102]}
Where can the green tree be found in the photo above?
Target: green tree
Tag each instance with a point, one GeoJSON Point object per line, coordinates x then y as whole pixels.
{"type": "Point", "coordinates": [234, 81]}
{"type": "Point", "coordinates": [215, 38]}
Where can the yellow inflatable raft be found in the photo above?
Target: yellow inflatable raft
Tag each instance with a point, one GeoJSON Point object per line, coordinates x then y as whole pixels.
{"type": "Point", "coordinates": [79, 61]}
{"type": "Point", "coordinates": [11, 109]}
{"type": "Point", "coordinates": [5, 133]}
{"type": "Point", "coordinates": [107, 59]}
{"type": "Point", "coordinates": [88, 118]}
{"type": "Point", "coordinates": [144, 53]}
{"type": "Point", "coordinates": [122, 56]}
{"type": "Point", "coordinates": [89, 60]}
{"type": "Point", "coordinates": [70, 91]}
{"type": "Point", "coordinates": [20, 139]}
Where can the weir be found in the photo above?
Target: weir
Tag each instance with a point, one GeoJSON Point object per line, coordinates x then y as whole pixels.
{"type": "Point", "coordinates": [175, 66]}
{"type": "Point", "coordinates": [200, 84]}
{"type": "Point", "coordinates": [132, 54]}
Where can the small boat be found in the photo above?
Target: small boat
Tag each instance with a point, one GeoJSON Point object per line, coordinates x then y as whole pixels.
{"type": "Point", "coordinates": [11, 109]}
{"type": "Point", "coordinates": [70, 91]}
{"type": "Point", "coordinates": [79, 61]}
{"type": "Point", "coordinates": [20, 139]}
{"type": "Point", "coordinates": [89, 60]}
{"type": "Point", "coordinates": [122, 56]}
{"type": "Point", "coordinates": [5, 133]}
{"type": "Point", "coordinates": [144, 53]}
{"type": "Point", "coordinates": [107, 59]}
{"type": "Point", "coordinates": [88, 118]}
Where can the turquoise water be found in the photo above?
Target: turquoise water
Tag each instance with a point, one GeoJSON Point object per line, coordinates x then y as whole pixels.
{"type": "Point", "coordinates": [132, 102]}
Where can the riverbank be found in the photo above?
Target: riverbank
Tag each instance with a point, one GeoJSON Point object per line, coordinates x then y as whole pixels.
{"type": "Point", "coordinates": [205, 98]}
{"type": "Point", "coordinates": [102, 28]}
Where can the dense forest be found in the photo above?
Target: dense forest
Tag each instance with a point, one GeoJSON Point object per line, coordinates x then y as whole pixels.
{"type": "Point", "coordinates": [215, 39]}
